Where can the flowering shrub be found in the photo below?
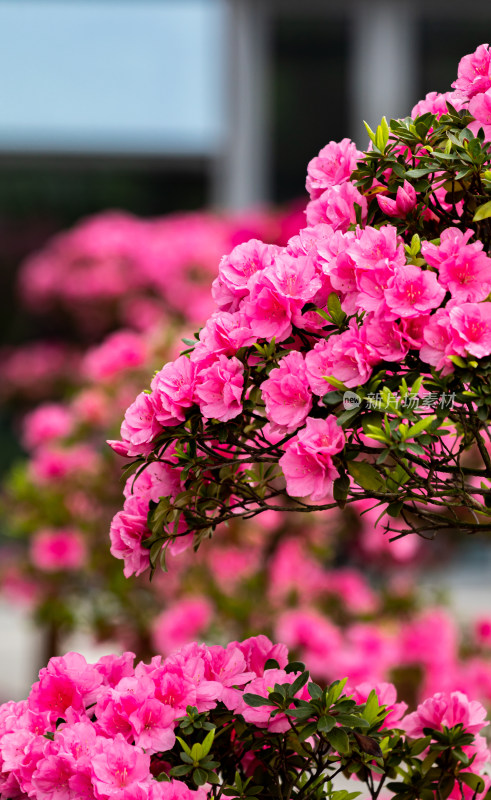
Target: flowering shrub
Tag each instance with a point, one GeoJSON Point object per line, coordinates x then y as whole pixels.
{"type": "Point", "coordinates": [239, 721]}
{"type": "Point", "coordinates": [352, 363]}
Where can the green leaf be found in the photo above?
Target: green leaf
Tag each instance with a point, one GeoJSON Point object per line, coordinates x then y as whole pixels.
{"type": "Point", "coordinates": [369, 131]}
{"type": "Point", "coordinates": [419, 427]}
{"type": "Point", "coordinates": [334, 382]}
{"type": "Point", "coordinates": [420, 745]}
{"type": "Point", "coordinates": [334, 307]}
{"type": "Point", "coordinates": [394, 509]}
{"type": "Point", "coordinates": [293, 666]}
{"type": "Point", "coordinates": [458, 361]}
{"type": "Point", "coordinates": [314, 691]}
{"type": "Point", "coordinates": [419, 173]}
{"type": "Point", "coordinates": [340, 489]}
{"type": "Point", "coordinates": [366, 476]}
{"type": "Point", "coordinates": [255, 700]}
{"type": "Point", "coordinates": [299, 682]}
{"type": "Point", "coordinates": [326, 723]}
{"type": "Point", "coordinates": [182, 769]}
{"type": "Point", "coordinates": [474, 781]}
{"type": "Point", "coordinates": [184, 746]}
{"type": "Point", "coordinates": [483, 212]}
{"type": "Point", "coordinates": [335, 690]}
{"type": "Point", "coordinates": [200, 776]}
{"type": "Point", "coordinates": [207, 743]}
{"type": "Point", "coordinates": [372, 707]}
{"type": "Point", "coordinates": [347, 416]}
{"type": "Point", "coordinates": [338, 739]}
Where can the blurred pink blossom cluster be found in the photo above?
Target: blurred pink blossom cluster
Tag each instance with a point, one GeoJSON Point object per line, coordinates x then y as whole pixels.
{"type": "Point", "coordinates": [115, 270]}
{"type": "Point", "coordinates": [118, 263]}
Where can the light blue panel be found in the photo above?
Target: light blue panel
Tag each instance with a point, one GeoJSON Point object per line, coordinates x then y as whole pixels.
{"type": "Point", "coordinates": [112, 76]}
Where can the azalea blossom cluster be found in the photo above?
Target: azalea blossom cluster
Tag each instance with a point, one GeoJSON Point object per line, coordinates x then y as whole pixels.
{"type": "Point", "coordinates": [167, 728]}
{"type": "Point", "coordinates": [115, 266]}
{"type": "Point", "coordinates": [384, 292]}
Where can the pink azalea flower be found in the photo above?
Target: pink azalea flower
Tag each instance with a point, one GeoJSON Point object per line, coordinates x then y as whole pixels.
{"type": "Point", "coordinates": [121, 351]}
{"type": "Point", "coordinates": [307, 462]}
{"type": "Point", "coordinates": [114, 668]}
{"type": "Point", "coordinates": [92, 406]}
{"type": "Point", "coordinates": [46, 423]}
{"type": "Point", "coordinates": [334, 165]}
{"type": "Point", "coordinates": [118, 766]}
{"type": "Point", "coordinates": [51, 779]}
{"type": "Point", "coordinates": [127, 533]}
{"type": "Point", "coordinates": [153, 725]}
{"type": "Point", "coordinates": [386, 339]}
{"type": "Point", "coordinates": [482, 631]}
{"type": "Point", "coordinates": [156, 480]}
{"type": "Point", "coordinates": [336, 206]}
{"type": "Point", "coordinates": [219, 389]}
{"type": "Point", "coordinates": [480, 108]}
{"type": "Point", "coordinates": [58, 549]}
{"type": "Point", "coordinates": [377, 247]}
{"type": "Point", "coordinates": [245, 260]}
{"type": "Point", "coordinates": [51, 464]}
{"type": "Point", "coordinates": [174, 790]}
{"type": "Point", "coordinates": [404, 202]}
{"type": "Point", "coordinates": [372, 284]}
{"type": "Point", "coordinates": [173, 391]}
{"type": "Point", "coordinates": [471, 325]}
{"type": "Point", "coordinates": [474, 73]}
{"type": "Point", "coordinates": [269, 312]}
{"type": "Point", "coordinates": [439, 342]}
{"type": "Point", "coordinates": [294, 277]}
{"type": "Point", "coordinates": [436, 103]}
{"type": "Point", "coordinates": [347, 357]}
{"type": "Point", "coordinates": [139, 428]}
{"type": "Point", "coordinates": [258, 650]}
{"type": "Point", "coordinates": [174, 688]}
{"type": "Point", "coordinates": [85, 676]}
{"type": "Point", "coordinates": [313, 635]}
{"type": "Point", "coordinates": [286, 393]}
{"type": "Point", "coordinates": [413, 291]}
{"type": "Point", "coordinates": [223, 334]}
{"type": "Point", "coordinates": [181, 623]}
{"type": "Point", "coordinates": [463, 268]}
{"type": "Point", "coordinates": [446, 709]}
{"type": "Point", "coordinates": [55, 694]}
